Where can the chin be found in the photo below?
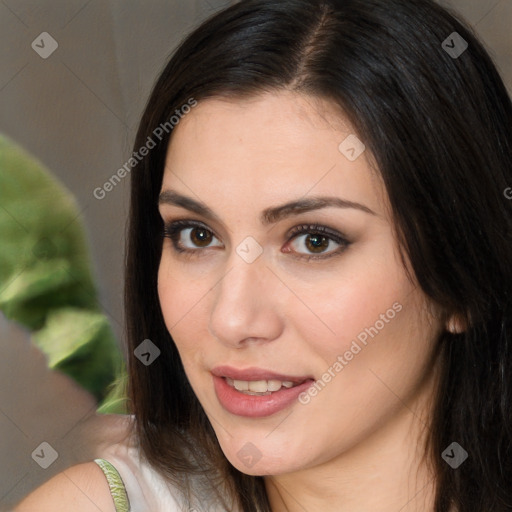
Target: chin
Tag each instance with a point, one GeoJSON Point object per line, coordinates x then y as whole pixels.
{"type": "Point", "coordinates": [272, 467]}
{"type": "Point", "coordinates": [253, 459]}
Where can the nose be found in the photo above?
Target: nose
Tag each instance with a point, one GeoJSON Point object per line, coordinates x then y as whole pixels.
{"type": "Point", "coordinates": [247, 305]}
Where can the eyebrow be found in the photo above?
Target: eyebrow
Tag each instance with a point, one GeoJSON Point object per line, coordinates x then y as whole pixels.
{"type": "Point", "coordinates": [269, 215]}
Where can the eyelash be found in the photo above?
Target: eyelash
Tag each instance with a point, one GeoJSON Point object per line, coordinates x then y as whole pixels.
{"type": "Point", "coordinates": [173, 230]}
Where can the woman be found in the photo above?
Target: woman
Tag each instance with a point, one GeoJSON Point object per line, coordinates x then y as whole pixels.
{"type": "Point", "coordinates": [318, 270]}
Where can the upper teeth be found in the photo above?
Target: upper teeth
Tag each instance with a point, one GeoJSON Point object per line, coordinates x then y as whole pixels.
{"type": "Point", "coordinates": [259, 386]}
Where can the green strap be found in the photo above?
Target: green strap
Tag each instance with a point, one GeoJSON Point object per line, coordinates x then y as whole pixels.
{"type": "Point", "coordinates": [116, 485]}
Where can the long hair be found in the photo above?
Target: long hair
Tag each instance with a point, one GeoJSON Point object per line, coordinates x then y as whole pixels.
{"type": "Point", "coordinates": [437, 119]}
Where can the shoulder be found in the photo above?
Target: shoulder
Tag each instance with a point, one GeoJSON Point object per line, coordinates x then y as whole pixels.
{"type": "Point", "coordinates": [83, 488]}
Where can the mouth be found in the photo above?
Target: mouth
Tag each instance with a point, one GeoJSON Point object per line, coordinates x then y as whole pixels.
{"type": "Point", "coordinates": [260, 387]}
{"type": "Point", "coordinates": [254, 392]}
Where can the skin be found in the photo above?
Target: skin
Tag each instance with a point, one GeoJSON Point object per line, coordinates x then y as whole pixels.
{"type": "Point", "coordinates": [356, 446]}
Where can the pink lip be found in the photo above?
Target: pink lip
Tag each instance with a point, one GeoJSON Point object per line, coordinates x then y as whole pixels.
{"type": "Point", "coordinates": [254, 406]}
{"type": "Point", "coordinates": [253, 373]}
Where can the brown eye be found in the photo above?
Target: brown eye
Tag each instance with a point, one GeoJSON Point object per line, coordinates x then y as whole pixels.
{"type": "Point", "coordinates": [201, 237]}
{"type": "Point", "coordinates": [313, 241]}
{"type": "Point", "coordinates": [190, 236]}
{"type": "Point", "coordinates": [316, 243]}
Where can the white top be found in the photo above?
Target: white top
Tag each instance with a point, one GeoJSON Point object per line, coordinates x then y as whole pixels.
{"type": "Point", "coordinates": [147, 490]}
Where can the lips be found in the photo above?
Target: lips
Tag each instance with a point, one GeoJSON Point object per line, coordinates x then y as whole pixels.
{"type": "Point", "coordinates": [254, 374]}
{"type": "Point", "coordinates": [255, 392]}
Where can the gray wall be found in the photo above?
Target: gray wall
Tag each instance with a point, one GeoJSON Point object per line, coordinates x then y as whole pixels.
{"type": "Point", "coordinates": [78, 109]}
{"type": "Point", "coordinates": [77, 112]}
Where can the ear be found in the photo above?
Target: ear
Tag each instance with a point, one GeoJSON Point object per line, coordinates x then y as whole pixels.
{"type": "Point", "coordinates": [455, 324]}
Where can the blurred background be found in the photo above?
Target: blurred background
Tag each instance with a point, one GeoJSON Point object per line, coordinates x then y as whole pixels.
{"type": "Point", "coordinates": [74, 78]}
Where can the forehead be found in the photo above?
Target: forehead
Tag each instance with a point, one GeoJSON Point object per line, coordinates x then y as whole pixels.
{"type": "Point", "coordinates": [272, 147]}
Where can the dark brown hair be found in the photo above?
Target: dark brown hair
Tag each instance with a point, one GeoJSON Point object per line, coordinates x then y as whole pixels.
{"type": "Point", "coordinates": [439, 128]}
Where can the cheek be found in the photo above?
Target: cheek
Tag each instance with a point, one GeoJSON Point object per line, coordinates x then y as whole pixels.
{"type": "Point", "coordinates": [380, 338]}
{"type": "Point", "coordinates": [359, 302]}
{"type": "Point", "coordinates": [381, 348]}
{"type": "Point", "coordinates": [176, 299]}
{"type": "Point", "coordinates": [168, 288]}
{"type": "Point", "coordinates": [182, 300]}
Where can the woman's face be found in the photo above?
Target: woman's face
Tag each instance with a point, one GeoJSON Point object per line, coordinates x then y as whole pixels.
{"type": "Point", "coordinates": [284, 272]}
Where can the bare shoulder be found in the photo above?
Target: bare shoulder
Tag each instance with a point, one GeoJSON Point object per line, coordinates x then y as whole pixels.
{"type": "Point", "coordinates": [82, 488]}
